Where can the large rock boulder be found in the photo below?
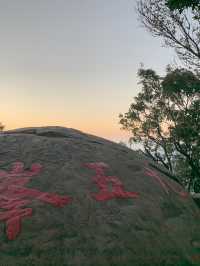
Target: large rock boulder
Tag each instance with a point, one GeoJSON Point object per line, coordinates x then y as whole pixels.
{"type": "Point", "coordinates": [72, 199]}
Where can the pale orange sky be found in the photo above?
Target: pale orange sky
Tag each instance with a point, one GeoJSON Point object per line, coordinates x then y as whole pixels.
{"type": "Point", "coordinates": [73, 63]}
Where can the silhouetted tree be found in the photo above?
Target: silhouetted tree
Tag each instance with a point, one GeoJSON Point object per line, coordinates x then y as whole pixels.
{"type": "Point", "coordinates": [182, 4]}
{"type": "Point", "coordinates": [165, 119]}
{"type": "Point", "coordinates": [179, 31]}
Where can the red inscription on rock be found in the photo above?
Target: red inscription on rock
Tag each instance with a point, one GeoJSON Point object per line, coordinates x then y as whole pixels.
{"type": "Point", "coordinates": [102, 181]}
{"type": "Point", "coordinates": [14, 196]}
{"type": "Point", "coordinates": [165, 185]}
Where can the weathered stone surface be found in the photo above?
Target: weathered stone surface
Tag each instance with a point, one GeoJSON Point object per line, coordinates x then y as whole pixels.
{"type": "Point", "coordinates": [80, 200]}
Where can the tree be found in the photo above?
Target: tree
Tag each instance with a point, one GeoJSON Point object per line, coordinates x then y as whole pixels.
{"type": "Point", "coordinates": [165, 119]}
{"type": "Point", "coordinates": [179, 31]}
{"type": "Point", "coordinates": [182, 4]}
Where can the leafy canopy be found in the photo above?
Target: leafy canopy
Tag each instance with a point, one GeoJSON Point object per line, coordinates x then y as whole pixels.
{"type": "Point", "coordinates": [182, 4]}
{"type": "Point", "coordinates": [165, 118]}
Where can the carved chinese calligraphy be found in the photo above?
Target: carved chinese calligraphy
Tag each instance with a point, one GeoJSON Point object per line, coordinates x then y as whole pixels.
{"type": "Point", "coordinates": [14, 196]}
{"type": "Point", "coordinates": [165, 185]}
{"type": "Point", "coordinates": [102, 181]}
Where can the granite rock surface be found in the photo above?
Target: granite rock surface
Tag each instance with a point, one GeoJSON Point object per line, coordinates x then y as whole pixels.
{"type": "Point", "coordinates": [72, 199]}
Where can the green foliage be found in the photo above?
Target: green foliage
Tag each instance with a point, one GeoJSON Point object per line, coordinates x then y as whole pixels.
{"type": "Point", "coordinates": [165, 119]}
{"type": "Point", "coordinates": [182, 4]}
{"type": "Point", "coordinates": [181, 81]}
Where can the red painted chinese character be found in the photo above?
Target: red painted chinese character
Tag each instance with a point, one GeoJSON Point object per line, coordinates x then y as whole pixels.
{"type": "Point", "coordinates": [165, 185]}
{"type": "Point", "coordinates": [14, 196]}
{"type": "Point", "coordinates": [102, 182]}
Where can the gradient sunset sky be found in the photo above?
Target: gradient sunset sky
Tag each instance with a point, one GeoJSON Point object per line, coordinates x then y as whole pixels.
{"type": "Point", "coordinates": [73, 63]}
